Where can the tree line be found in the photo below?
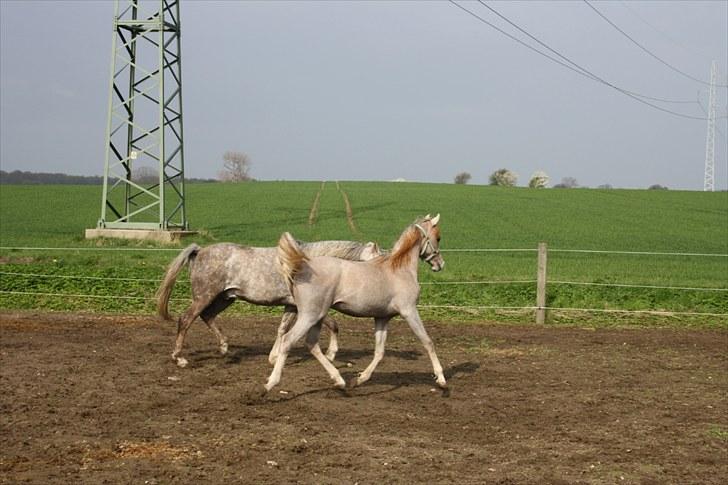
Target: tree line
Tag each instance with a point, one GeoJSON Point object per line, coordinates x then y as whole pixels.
{"type": "Point", "coordinates": [17, 177]}
{"type": "Point", "coordinates": [539, 180]}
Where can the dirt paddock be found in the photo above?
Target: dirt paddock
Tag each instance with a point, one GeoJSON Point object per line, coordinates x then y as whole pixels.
{"type": "Point", "coordinates": [97, 399]}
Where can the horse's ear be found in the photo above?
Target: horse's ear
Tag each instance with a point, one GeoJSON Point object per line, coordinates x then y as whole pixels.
{"type": "Point", "coordinates": [435, 220]}
{"type": "Point", "coordinates": [428, 216]}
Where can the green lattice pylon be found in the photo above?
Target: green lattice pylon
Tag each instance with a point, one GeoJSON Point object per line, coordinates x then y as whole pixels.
{"type": "Point", "coordinates": [144, 163]}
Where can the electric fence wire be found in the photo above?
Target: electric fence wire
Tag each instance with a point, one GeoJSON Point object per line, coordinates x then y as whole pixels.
{"type": "Point", "coordinates": [578, 69]}
{"type": "Point", "coordinates": [647, 51]}
{"type": "Point", "coordinates": [433, 307]}
{"type": "Point", "coordinates": [423, 283]}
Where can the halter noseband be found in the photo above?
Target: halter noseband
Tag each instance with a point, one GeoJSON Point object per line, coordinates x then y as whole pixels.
{"type": "Point", "coordinates": [427, 243]}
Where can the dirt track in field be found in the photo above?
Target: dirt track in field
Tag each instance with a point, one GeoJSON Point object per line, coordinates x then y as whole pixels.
{"type": "Point", "coordinates": [98, 400]}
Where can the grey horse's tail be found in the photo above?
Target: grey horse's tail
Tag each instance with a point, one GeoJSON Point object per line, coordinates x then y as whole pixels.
{"type": "Point", "coordinates": [165, 289]}
{"type": "Point", "coordinates": [290, 258]}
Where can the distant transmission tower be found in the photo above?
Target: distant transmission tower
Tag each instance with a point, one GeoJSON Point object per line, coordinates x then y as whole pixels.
{"type": "Point", "coordinates": [708, 181]}
{"type": "Point", "coordinates": [144, 163]}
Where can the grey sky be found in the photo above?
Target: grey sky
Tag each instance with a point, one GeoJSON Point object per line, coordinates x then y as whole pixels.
{"type": "Point", "coordinates": [382, 90]}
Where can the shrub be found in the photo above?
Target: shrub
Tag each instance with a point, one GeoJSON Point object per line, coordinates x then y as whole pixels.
{"type": "Point", "coordinates": [503, 178]}
{"type": "Point", "coordinates": [539, 180]}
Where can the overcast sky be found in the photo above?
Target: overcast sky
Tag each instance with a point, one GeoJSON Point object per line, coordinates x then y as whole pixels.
{"type": "Point", "coordinates": [384, 90]}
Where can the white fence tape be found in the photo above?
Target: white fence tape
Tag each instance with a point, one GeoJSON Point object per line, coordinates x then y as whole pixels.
{"type": "Point", "coordinates": [450, 250]}
{"type": "Point", "coordinates": [19, 248]}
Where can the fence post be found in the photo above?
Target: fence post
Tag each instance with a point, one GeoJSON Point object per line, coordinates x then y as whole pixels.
{"type": "Point", "coordinates": [541, 285]}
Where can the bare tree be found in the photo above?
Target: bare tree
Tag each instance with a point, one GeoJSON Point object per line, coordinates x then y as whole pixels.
{"type": "Point", "coordinates": [236, 167]}
{"type": "Point", "coordinates": [462, 178]}
{"type": "Point", "coordinates": [567, 183]}
{"type": "Point", "coordinates": [144, 175]}
{"type": "Point", "coordinates": [503, 177]}
{"type": "Point", "coordinates": [657, 187]}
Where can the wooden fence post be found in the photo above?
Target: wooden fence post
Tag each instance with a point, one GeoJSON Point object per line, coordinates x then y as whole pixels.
{"type": "Point", "coordinates": [541, 285]}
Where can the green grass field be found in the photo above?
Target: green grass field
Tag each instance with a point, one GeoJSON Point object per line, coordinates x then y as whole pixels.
{"type": "Point", "coordinates": [473, 217]}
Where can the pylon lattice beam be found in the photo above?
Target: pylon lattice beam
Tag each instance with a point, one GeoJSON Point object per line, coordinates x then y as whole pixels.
{"type": "Point", "coordinates": [144, 162]}
{"type": "Point", "coordinates": [709, 178]}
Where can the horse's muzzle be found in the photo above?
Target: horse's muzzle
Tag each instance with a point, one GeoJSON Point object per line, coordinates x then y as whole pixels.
{"type": "Point", "coordinates": [437, 264]}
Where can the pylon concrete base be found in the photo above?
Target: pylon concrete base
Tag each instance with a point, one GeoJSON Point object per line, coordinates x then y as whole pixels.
{"type": "Point", "coordinates": [144, 234]}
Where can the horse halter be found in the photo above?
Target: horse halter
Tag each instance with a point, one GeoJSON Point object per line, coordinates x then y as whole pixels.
{"type": "Point", "coordinates": [427, 244]}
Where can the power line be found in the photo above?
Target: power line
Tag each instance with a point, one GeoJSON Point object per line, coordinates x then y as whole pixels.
{"type": "Point", "coordinates": [579, 70]}
{"type": "Point", "coordinates": [589, 73]}
{"type": "Point", "coordinates": [647, 51]}
{"type": "Point", "coordinates": [668, 37]}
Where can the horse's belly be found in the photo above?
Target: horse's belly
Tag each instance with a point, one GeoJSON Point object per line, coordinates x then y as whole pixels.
{"type": "Point", "coordinates": [262, 290]}
{"type": "Point", "coordinates": [359, 310]}
{"type": "Point", "coordinates": [264, 300]}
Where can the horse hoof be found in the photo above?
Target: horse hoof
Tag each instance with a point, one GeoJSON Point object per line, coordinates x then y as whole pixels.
{"type": "Point", "coordinates": [181, 362]}
{"type": "Point", "coordinates": [343, 390]}
{"type": "Point", "coordinates": [266, 390]}
{"type": "Point", "coordinates": [224, 349]}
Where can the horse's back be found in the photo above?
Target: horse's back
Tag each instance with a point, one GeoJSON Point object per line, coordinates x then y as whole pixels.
{"type": "Point", "coordinates": [351, 287]}
{"type": "Point", "coordinates": [248, 272]}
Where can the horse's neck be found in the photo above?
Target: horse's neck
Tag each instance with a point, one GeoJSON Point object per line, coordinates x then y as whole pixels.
{"type": "Point", "coordinates": [413, 261]}
{"type": "Point", "coordinates": [411, 258]}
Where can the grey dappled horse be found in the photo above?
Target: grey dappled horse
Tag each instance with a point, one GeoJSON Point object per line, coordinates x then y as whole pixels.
{"type": "Point", "coordinates": [221, 273]}
{"type": "Point", "coordinates": [381, 288]}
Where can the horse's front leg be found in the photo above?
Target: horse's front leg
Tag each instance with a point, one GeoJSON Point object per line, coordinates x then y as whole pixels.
{"type": "Point", "coordinates": [412, 316]}
{"type": "Point", "coordinates": [380, 338]}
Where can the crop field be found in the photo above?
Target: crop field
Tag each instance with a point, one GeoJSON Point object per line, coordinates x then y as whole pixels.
{"type": "Point", "coordinates": [473, 217]}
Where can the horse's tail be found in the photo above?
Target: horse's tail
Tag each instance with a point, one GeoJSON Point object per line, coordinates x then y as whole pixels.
{"type": "Point", "coordinates": [290, 258]}
{"type": "Point", "coordinates": [165, 289]}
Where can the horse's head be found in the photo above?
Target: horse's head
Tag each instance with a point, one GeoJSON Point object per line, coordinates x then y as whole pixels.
{"type": "Point", "coordinates": [430, 242]}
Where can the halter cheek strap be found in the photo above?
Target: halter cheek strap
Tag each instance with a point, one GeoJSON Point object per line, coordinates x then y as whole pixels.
{"type": "Point", "coordinates": [427, 243]}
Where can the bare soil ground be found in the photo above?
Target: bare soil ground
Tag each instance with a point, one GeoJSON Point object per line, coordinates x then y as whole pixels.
{"type": "Point", "coordinates": [97, 399]}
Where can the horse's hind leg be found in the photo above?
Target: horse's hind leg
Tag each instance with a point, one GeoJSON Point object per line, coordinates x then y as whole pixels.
{"type": "Point", "coordinates": [182, 326]}
{"type": "Point", "coordinates": [303, 324]}
{"type": "Point", "coordinates": [287, 321]}
{"type": "Point", "coordinates": [333, 347]}
{"type": "Point", "coordinates": [289, 318]}
{"type": "Point", "coordinates": [380, 338]}
{"type": "Point", "coordinates": [208, 316]}
{"type": "Point", "coordinates": [312, 341]}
